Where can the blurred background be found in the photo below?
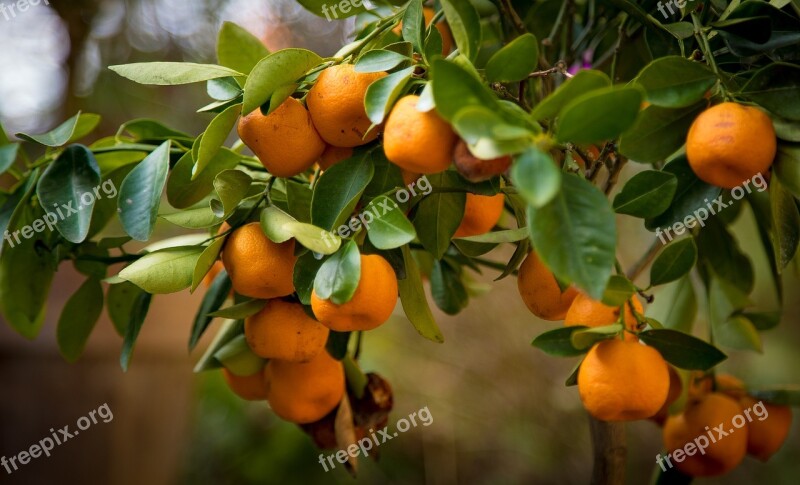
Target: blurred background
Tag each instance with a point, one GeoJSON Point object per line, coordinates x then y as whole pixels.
{"type": "Point", "coordinates": [501, 413]}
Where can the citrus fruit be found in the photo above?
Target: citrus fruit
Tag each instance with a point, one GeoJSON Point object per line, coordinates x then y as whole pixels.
{"type": "Point", "coordinates": [371, 305]}
{"type": "Point", "coordinates": [540, 291]}
{"type": "Point", "coordinates": [768, 429]}
{"type": "Point", "coordinates": [333, 155]}
{"type": "Point", "coordinates": [475, 169]}
{"type": "Point", "coordinates": [420, 142]}
{"type": "Point", "coordinates": [621, 380]}
{"type": "Point", "coordinates": [675, 390]}
{"type": "Point", "coordinates": [441, 26]}
{"type": "Point", "coordinates": [285, 140]}
{"type": "Point", "coordinates": [481, 214]}
{"type": "Point", "coordinates": [730, 143]}
{"type": "Point", "coordinates": [696, 425]}
{"type": "Point", "coordinates": [258, 267]}
{"type": "Point", "coordinates": [593, 313]}
{"type": "Point", "coordinates": [336, 104]}
{"type": "Point", "coordinates": [251, 388]}
{"type": "Point", "coordinates": [304, 392]}
{"type": "Point", "coordinates": [282, 330]}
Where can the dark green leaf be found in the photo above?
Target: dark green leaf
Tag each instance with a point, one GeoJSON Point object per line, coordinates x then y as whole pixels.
{"type": "Point", "coordinates": [683, 350]}
{"type": "Point", "coordinates": [580, 84]}
{"type": "Point", "coordinates": [379, 60]}
{"type": "Point", "coordinates": [658, 133]}
{"type": "Point", "coordinates": [274, 72]}
{"type": "Point", "coordinates": [240, 311]}
{"type": "Point", "coordinates": [415, 304]}
{"type": "Point", "coordinates": [584, 339]}
{"type": "Point", "coordinates": [8, 155]}
{"type": "Point", "coordinates": [782, 397]}
{"type": "Point", "coordinates": [647, 194]}
{"type": "Point", "coordinates": [305, 270]}
{"type": "Point", "coordinates": [338, 277]}
{"type": "Point", "coordinates": [338, 191]}
{"type": "Point", "coordinates": [213, 138]}
{"type": "Point", "coordinates": [140, 194]}
{"type": "Point", "coordinates": [515, 60]}
{"type": "Point", "coordinates": [465, 24]}
{"type": "Point", "coordinates": [447, 288]}
{"type": "Point", "coordinates": [382, 94]}
{"type": "Point", "coordinates": [536, 177]}
{"type": "Point", "coordinates": [785, 223]}
{"type": "Point", "coordinates": [213, 299]}
{"type": "Point", "coordinates": [558, 342]}
{"type": "Point", "coordinates": [56, 137]}
{"type": "Point", "coordinates": [120, 301]}
{"type": "Point", "coordinates": [437, 218]}
{"type": "Point", "coordinates": [390, 228]}
{"type": "Point", "coordinates": [675, 82]}
{"type": "Point", "coordinates": [138, 314]}
{"type": "Point", "coordinates": [337, 344]}
{"type": "Point", "coordinates": [674, 261]}
{"type": "Point", "coordinates": [78, 318]}
{"type": "Point", "coordinates": [599, 115]}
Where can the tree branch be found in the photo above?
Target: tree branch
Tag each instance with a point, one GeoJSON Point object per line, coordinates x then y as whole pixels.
{"type": "Point", "coordinates": [610, 452]}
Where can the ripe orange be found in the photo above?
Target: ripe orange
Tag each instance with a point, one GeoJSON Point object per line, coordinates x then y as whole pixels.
{"type": "Point", "coordinates": [333, 155]}
{"type": "Point", "coordinates": [481, 214]}
{"type": "Point", "coordinates": [371, 305]}
{"type": "Point", "coordinates": [251, 388]}
{"type": "Point", "coordinates": [698, 420]}
{"type": "Point", "coordinates": [730, 143]}
{"type": "Point", "coordinates": [766, 434]}
{"type": "Point", "coordinates": [540, 291]}
{"type": "Point", "coordinates": [594, 313]}
{"type": "Point", "coordinates": [258, 267]}
{"type": "Point", "coordinates": [416, 141]}
{"type": "Point", "coordinates": [475, 169]}
{"type": "Point", "coordinates": [336, 104]}
{"type": "Point", "coordinates": [623, 381]}
{"type": "Point", "coordinates": [675, 390]}
{"type": "Point", "coordinates": [304, 392]}
{"type": "Point", "coordinates": [282, 330]}
{"type": "Point", "coordinates": [285, 140]}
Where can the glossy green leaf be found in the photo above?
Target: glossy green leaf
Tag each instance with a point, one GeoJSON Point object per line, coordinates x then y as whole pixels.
{"type": "Point", "coordinates": [454, 88]}
{"type": "Point", "coordinates": [78, 318]}
{"type": "Point", "coordinates": [515, 60]}
{"type": "Point", "coordinates": [273, 223]}
{"type": "Point", "coordinates": [413, 25]}
{"type": "Point", "coordinates": [240, 311]}
{"type": "Point", "coordinates": [338, 277]}
{"type": "Point", "coordinates": [787, 167]}
{"type": "Point", "coordinates": [338, 191]}
{"type": "Point", "coordinates": [447, 289]}
{"type": "Point", "coordinates": [599, 115]}
{"type": "Point", "coordinates": [274, 72]}
{"type": "Point", "coordinates": [183, 192]}
{"type": "Point", "coordinates": [415, 304]}
{"type": "Point", "coordinates": [584, 339]}
{"type": "Point", "coordinates": [785, 223]}
{"type": "Point", "coordinates": [379, 60]}
{"type": "Point", "coordinates": [215, 296]}
{"type": "Point", "coordinates": [536, 177]}
{"type": "Point", "coordinates": [121, 299]}
{"type": "Point", "coordinates": [164, 271]}
{"type": "Point", "coordinates": [775, 88]}
{"type": "Point", "coordinates": [682, 350]}
{"type": "Point", "coordinates": [140, 194]}
{"type": "Point", "coordinates": [8, 155]}
{"type": "Point", "coordinates": [229, 330]}
{"type": "Point", "coordinates": [56, 137]}
{"type": "Point", "coordinates": [675, 82]}
{"type": "Point", "coordinates": [208, 257]}
{"type": "Point", "coordinates": [237, 357]}
{"type": "Point", "coordinates": [674, 261]}
{"type": "Point", "coordinates": [382, 94]}
{"type": "Point", "coordinates": [313, 237]}
{"type": "Point", "coordinates": [580, 84]}
{"type": "Point", "coordinates": [465, 25]}
{"type": "Point", "coordinates": [213, 138]}
{"type": "Point", "coordinates": [238, 49]}
{"type": "Point", "coordinates": [506, 236]}
{"type": "Point", "coordinates": [658, 133]}
{"type": "Point", "coordinates": [390, 228]}
{"type": "Point", "coordinates": [138, 314]}
{"type": "Point", "coordinates": [196, 218]}
{"type": "Point", "coordinates": [437, 218]}
{"type": "Point", "coordinates": [558, 342]}
{"type": "Point", "coordinates": [172, 73]}
{"type": "Point", "coordinates": [65, 191]}
{"type": "Point", "coordinates": [618, 291]}
{"type": "Point", "coordinates": [305, 270]}
{"type": "Point", "coordinates": [647, 194]}
{"type": "Point", "coordinates": [231, 186]}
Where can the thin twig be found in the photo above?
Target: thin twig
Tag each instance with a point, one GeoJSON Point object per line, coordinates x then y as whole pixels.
{"type": "Point", "coordinates": [510, 13]}
{"type": "Point", "coordinates": [645, 260]}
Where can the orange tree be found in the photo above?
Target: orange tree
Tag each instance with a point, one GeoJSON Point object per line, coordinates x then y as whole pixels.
{"type": "Point", "coordinates": [351, 198]}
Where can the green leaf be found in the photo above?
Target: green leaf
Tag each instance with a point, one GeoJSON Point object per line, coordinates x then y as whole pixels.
{"type": "Point", "coordinates": [87, 122]}
{"type": "Point", "coordinates": [121, 299]}
{"type": "Point", "coordinates": [164, 271]}
{"type": "Point", "coordinates": [382, 94]}
{"type": "Point", "coordinates": [314, 238]}
{"type": "Point", "coordinates": [558, 342]}
{"type": "Point", "coordinates": [731, 329]}
{"type": "Point", "coordinates": [658, 133]}
{"type": "Point", "coordinates": [237, 357]}
{"type": "Point", "coordinates": [213, 138]}
{"type": "Point", "coordinates": [207, 258]}
{"type": "Point", "coordinates": [618, 291]}
{"type": "Point", "coordinates": [718, 250]}
{"type": "Point", "coordinates": [338, 277]}
{"type": "Point", "coordinates": [599, 115]}
{"type": "Point", "coordinates": [240, 311]}
{"type": "Point", "coordinates": [437, 218]}
{"type": "Point", "coordinates": [140, 193]}
{"type": "Point", "coordinates": [238, 49]}
{"type": "Point", "coordinates": [305, 270]}
{"type": "Point", "coordinates": [215, 296]}
{"type": "Point", "coordinates": [379, 60]}
{"type": "Point", "coordinates": [647, 194]}
{"type": "Point", "coordinates": [454, 88]}
{"type": "Point", "coordinates": [787, 167]}
{"type": "Point", "coordinates": [682, 350]}
{"type": "Point", "coordinates": [390, 228]}
{"type": "Point", "coordinates": [78, 318]}
{"type": "Point", "coordinates": [56, 137]}
{"type": "Point", "coordinates": [231, 186]}
{"type": "Point", "coordinates": [782, 397]}
{"type": "Point", "coordinates": [151, 130]}
{"type": "Point", "coordinates": [336, 345]}
{"type": "Point", "coordinates": [172, 73]}
{"type": "Point", "coordinates": [584, 339]}
{"type": "Point", "coordinates": [229, 330]}
{"type": "Point", "coordinates": [674, 261]}
{"type": "Point", "coordinates": [8, 155]}
{"type": "Point", "coordinates": [447, 289]}
{"type": "Point", "coordinates": [138, 314]}
{"type": "Point", "coordinates": [412, 297]}
{"type": "Point", "coordinates": [580, 218]}
{"type": "Point", "coordinates": [196, 218]}
{"type": "Point", "coordinates": [775, 88]}
{"type": "Point", "coordinates": [338, 191]}
{"type": "Point", "coordinates": [675, 82]}
{"type": "Point", "coordinates": [273, 223]}
{"type": "Point", "coordinates": [183, 192]}
{"type": "Point", "coordinates": [225, 90]}
{"type": "Point", "coordinates": [536, 177]}
{"type": "Point", "coordinates": [465, 25]}
{"type": "Point", "coordinates": [488, 135]}
{"type": "Point", "coordinates": [67, 184]}
{"type": "Point", "coordinates": [356, 380]}
{"type": "Point", "coordinates": [785, 223]}
{"type": "Point", "coordinates": [274, 72]}
{"type": "Point", "coordinates": [414, 25]}
{"type": "Point", "coordinates": [514, 61]}
{"type": "Point", "coordinates": [496, 237]}
{"type": "Point", "coordinates": [582, 83]}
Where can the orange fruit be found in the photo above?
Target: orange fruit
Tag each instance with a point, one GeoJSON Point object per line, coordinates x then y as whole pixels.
{"type": "Point", "coordinates": [304, 392]}
{"type": "Point", "coordinates": [285, 140]}
{"type": "Point", "coordinates": [416, 141]}
{"type": "Point", "coordinates": [593, 313]}
{"type": "Point", "coordinates": [696, 425]}
{"type": "Point", "coordinates": [282, 330]}
{"type": "Point", "coordinates": [336, 104]}
{"type": "Point", "coordinates": [372, 303]}
{"type": "Point", "coordinates": [623, 381]}
{"type": "Point", "coordinates": [730, 385]}
{"type": "Point", "coordinates": [409, 177]}
{"type": "Point", "coordinates": [441, 26]}
{"type": "Point", "coordinates": [258, 267]}
{"type": "Point", "coordinates": [768, 429]}
{"type": "Point", "coordinates": [475, 169]}
{"type": "Point", "coordinates": [730, 143]}
{"type": "Point", "coordinates": [251, 388]}
{"type": "Point", "coordinates": [675, 390]}
{"type": "Point", "coordinates": [481, 214]}
{"type": "Point", "coordinates": [540, 291]}
{"type": "Point", "coordinates": [333, 155]}
{"type": "Point", "coordinates": [212, 273]}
